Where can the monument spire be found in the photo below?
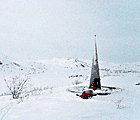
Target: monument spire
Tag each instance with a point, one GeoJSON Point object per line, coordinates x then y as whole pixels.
{"type": "Point", "coordinates": [95, 76]}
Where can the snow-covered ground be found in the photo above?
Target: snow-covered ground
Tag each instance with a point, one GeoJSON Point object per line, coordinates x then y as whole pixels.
{"type": "Point", "coordinates": [52, 101]}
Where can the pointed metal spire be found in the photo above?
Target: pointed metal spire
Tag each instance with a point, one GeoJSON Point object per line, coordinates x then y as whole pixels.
{"type": "Point", "coordinates": [95, 76]}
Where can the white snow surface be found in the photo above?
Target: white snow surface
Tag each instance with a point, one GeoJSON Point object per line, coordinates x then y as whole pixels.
{"type": "Point", "coordinates": [57, 103]}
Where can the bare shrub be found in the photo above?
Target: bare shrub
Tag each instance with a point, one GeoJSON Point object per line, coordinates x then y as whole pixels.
{"type": "Point", "coordinates": [39, 90]}
{"type": "Point", "coordinates": [118, 102]}
{"type": "Point", "coordinates": [17, 84]}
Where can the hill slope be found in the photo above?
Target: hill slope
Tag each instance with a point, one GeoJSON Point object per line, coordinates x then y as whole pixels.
{"type": "Point", "coordinates": [51, 100]}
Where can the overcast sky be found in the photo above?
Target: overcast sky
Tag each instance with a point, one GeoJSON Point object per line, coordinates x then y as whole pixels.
{"type": "Point", "coordinates": [42, 29]}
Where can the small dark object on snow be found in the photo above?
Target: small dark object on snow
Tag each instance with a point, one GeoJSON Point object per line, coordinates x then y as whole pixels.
{"type": "Point", "coordinates": [77, 95]}
{"type": "Point", "coordinates": [138, 84]}
{"type": "Point", "coordinates": [16, 64]}
{"type": "Point", "coordinates": [103, 93]}
{"type": "Point", "coordinates": [82, 65]}
{"type": "Point", "coordinates": [111, 88]}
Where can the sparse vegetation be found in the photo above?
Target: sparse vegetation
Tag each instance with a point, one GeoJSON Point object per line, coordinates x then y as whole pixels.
{"type": "Point", "coordinates": [76, 82]}
{"type": "Point", "coordinates": [17, 84]}
{"type": "Point", "coordinates": [118, 102]}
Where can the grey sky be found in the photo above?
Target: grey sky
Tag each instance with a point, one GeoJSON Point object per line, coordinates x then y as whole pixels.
{"type": "Point", "coordinates": [42, 29]}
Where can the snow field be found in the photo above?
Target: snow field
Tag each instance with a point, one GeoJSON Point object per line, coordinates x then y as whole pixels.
{"type": "Point", "coordinates": [57, 103]}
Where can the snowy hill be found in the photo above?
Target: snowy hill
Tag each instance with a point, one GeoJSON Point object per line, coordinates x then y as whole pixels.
{"type": "Point", "coordinates": [50, 100]}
